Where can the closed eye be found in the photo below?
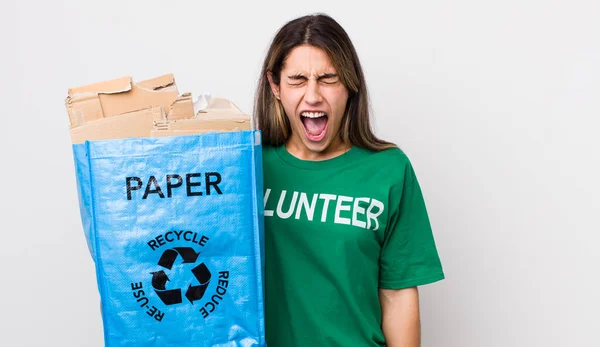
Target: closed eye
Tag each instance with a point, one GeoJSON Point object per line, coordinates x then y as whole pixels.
{"type": "Point", "coordinates": [296, 80]}
{"type": "Point", "coordinates": [329, 78]}
{"type": "Point", "coordinates": [330, 81]}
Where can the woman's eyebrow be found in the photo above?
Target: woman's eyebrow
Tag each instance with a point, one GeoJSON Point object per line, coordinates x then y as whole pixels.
{"type": "Point", "coordinates": [328, 75]}
{"type": "Point", "coordinates": [300, 76]}
{"type": "Point", "coordinates": [297, 76]}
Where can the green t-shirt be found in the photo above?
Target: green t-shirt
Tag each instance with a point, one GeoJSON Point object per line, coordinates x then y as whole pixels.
{"type": "Point", "coordinates": [335, 232]}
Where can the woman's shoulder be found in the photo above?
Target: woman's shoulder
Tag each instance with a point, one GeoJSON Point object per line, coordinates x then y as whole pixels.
{"type": "Point", "coordinates": [270, 158]}
{"type": "Point", "coordinates": [269, 152]}
{"type": "Point", "coordinates": [391, 163]}
{"type": "Point", "coordinates": [389, 157]}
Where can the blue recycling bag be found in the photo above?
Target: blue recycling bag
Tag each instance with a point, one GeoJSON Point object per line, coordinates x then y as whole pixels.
{"type": "Point", "coordinates": [175, 225]}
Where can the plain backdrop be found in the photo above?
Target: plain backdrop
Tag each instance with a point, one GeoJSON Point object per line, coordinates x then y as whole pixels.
{"type": "Point", "coordinates": [497, 103]}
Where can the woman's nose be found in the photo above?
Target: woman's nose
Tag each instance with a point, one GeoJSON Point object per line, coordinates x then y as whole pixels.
{"type": "Point", "coordinates": [313, 94]}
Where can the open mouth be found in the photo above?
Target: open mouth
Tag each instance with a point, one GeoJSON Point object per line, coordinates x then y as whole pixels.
{"type": "Point", "coordinates": [315, 125]}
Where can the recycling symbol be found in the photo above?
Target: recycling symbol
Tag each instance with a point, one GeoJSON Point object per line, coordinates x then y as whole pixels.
{"type": "Point", "coordinates": [160, 279]}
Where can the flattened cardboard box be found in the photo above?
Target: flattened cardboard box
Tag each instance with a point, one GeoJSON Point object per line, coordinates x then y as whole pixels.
{"type": "Point", "coordinates": [120, 108]}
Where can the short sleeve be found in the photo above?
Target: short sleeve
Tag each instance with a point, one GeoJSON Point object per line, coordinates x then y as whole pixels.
{"type": "Point", "coordinates": [409, 256]}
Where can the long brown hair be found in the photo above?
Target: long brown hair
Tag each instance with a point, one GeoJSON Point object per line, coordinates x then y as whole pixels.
{"type": "Point", "coordinates": [322, 31]}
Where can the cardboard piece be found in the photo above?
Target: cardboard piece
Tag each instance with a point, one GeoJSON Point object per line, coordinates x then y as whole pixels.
{"type": "Point", "coordinates": [134, 124]}
{"type": "Point", "coordinates": [120, 108]}
{"type": "Point", "coordinates": [220, 115]}
{"type": "Point", "coordinates": [119, 96]}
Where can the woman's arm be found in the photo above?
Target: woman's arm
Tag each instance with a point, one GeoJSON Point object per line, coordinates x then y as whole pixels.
{"type": "Point", "coordinates": [401, 319]}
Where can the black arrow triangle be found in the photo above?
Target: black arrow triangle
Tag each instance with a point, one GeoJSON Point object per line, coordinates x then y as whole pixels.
{"type": "Point", "coordinates": [159, 280]}
{"type": "Point", "coordinates": [188, 254]}
{"type": "Point", "coordinates": [167, 259]}
{"type": "Point", "coordinates": [195, 292]}
{"type": "Point", "coordinates": [170, 297]}
{"type": "Point", "coordinates": [202, 273]}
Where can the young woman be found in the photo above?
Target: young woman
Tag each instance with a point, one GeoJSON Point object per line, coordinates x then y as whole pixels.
{"type": "Point", "coordinates": [347, 234]}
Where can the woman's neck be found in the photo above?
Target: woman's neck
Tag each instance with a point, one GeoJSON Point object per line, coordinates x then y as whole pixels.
{"type": "Point", "coordinates": [300, 151]}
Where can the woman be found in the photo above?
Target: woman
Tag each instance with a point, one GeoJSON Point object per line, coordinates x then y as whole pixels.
{"type": "Point", "coordinates": [347, 234]}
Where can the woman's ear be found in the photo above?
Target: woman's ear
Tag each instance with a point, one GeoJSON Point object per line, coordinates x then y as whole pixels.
{"type": "Point", "coordinates": [274, 86]}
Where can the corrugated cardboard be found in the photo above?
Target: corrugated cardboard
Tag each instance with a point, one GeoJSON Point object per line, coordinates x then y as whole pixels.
{"type": "Point", "coordinates": [199, 126]}
{"type": "Point", "coordinates": [133, 124]}
{"type": "Point", "coordinates": [120, 108]}
{"type": "Point", "coordinates": [181, 108]}
{"type": "Point", "coordinates": [119, 96]}
{"type": "Point", "coordinates": [220, 115]}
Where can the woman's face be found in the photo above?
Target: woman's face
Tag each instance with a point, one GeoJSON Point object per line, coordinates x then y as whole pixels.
{"type": "Point", "coordinates": [314, 100]}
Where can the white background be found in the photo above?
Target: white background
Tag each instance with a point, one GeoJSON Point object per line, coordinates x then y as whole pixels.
{"type": "Point", "coordinates": [495, 102]}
